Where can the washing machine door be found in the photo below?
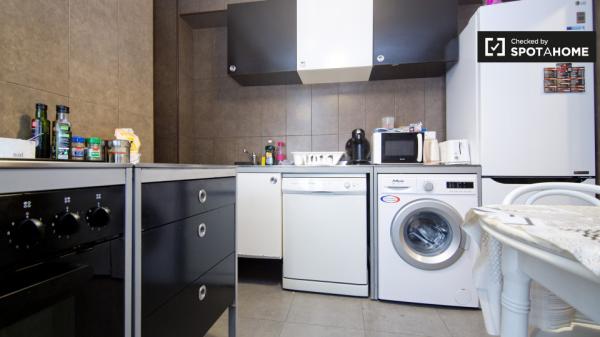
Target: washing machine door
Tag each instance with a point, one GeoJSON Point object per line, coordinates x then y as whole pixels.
{"type": "Point", "coordinates": [427, 234]}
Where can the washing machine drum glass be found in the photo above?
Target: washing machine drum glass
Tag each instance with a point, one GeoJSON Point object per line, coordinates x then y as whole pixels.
{"type": "Point", "coordinates": [427, 234]}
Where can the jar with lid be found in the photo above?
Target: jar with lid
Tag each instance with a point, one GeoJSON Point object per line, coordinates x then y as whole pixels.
{"type": "Point", "coordinates": [119, 151]}
{"type": "Point", "coordinates": [77, 148]}
{"type": "Point", "coordinates": [94, 149]}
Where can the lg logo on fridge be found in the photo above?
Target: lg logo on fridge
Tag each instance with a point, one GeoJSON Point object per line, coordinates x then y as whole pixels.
{"type": "Point", "coordinates": [495, 46]}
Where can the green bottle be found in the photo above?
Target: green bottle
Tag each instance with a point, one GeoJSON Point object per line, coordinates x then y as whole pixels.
{"type": "Point", "coordinates": [62, 134]}
{"type": "Point", "coordinates": [40, 132]}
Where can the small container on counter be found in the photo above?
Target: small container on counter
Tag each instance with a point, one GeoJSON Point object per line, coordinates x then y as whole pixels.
{"type": "Point", "coordinates": [119, 151]}
{"type": "Point", "coordinates": [77, 148]}
{"type": "Point", "coordinates": [94, 149]}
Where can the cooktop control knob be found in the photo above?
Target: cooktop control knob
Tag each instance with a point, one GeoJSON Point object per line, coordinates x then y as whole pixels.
{"type": "Point", "coordinates": [428, 186]}
{"type": "Point", "coordinates": [28, 234]}
{"type": "Point", "coordinates": [98, 217]}
{"type": "Point", "coordinates": [66, 223]}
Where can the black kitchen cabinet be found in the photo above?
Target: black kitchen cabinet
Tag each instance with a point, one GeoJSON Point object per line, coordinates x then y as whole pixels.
{"type": "Point", "coordinates": [187, 255]}
{"type": "Point", "coordinates": [413, 38]}
{"type": "Point", "coordinates": [261, 38]}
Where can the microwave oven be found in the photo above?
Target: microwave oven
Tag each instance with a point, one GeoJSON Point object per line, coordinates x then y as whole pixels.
{"type": "Point", "coordinates": [397, 147]}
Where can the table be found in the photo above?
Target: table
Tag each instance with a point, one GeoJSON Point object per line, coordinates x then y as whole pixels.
{"type": "Point", "coordinates": [556, 246]}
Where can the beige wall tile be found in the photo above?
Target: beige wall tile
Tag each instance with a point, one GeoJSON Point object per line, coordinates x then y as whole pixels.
{"type": "Point", "coordinates": [135, 56]}
{"type": "Point", "coordinates": [205, 113]}
{"type": "Point", "coordinates": [298, 144]}
{"type": "Point", "coordinates": [143, 127]}
{"type": "Point", "coordinates": [17, 108]}
{"type": "Point", "coordinates": [298, 110]}
{"type": "Point", "coordinates": [435, 104]}
{"type": "Point", "coordinates": [410, 101]}
{"type": "Point", "coordinates": [201, 6]}
{"type": "Point", "coordinates": [380, 103]}
{"type": "Point", "coordinates": [325, 109]}
{"type": "Point", "coordinates": [353, 112]}
{"type": "Point", "coordinates": [203, 49]}
{"type": "Point", "coordinates": [186, 49]}
{"type": "Point", "coordinates": [225, 151]}
{"type": "Point", "coordinates": [93, 54]}
{"type": "Point", "coordinates": [220, 53]}
{"type": "Point", "coordinates": [273, 115]}
{"type": "Point", "coordinates": [34, 40]}
{"type": "Point", "coordinates": [324, 143]}
{"type": "Point", "coordinates": [93, 120]}
{"type": "Point", "coordinates": [186, 108]}
{"type": "Point", "coordinates": [166, 149]}
{"type": "Point", "coordinates": [204, 151]}
{"type": "Point", "coordinates": [166, 98]}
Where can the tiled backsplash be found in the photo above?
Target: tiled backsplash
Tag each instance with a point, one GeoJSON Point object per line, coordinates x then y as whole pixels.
{"type": "Point", "coordinates": [224, 118]}
{"type": "Point", "coordinates": [95, 56]}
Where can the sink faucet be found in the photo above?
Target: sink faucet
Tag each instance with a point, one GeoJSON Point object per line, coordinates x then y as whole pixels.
{"type": "Point", "coordinates": [251, 157]}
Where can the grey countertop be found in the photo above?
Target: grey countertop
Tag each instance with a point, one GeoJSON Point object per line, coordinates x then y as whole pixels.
{"type": "Point", "coordinates": [385, 168]}
{"type": "Point", "coordinates": [48, 164]}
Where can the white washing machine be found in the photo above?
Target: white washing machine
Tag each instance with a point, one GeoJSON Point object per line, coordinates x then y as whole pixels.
{"type": "Point", "coordinates": [424, 255]}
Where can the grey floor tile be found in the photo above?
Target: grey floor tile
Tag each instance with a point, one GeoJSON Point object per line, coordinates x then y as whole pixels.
{"type": "Point", "coordinates": [338, 311]}
{"type": "Point", "coordinates": [402, 318]}
{"type": "Point", "coordinates": [306, 330]}
{"type": "Point", "coordinates": [389, 334]}
{"type": "Point", "coordinates": [463, 323]}
{"type": "Point", "coordinates": [247, 327]}
{"type": "Point", "coordinates": [264, 301]}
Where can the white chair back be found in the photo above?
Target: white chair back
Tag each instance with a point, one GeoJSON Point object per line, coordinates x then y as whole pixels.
{"type": "Point", "coordinates": [579, 191]}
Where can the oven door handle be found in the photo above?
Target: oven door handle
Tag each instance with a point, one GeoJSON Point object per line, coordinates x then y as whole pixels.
{"type": "Point", "coordinates": [32, 290]}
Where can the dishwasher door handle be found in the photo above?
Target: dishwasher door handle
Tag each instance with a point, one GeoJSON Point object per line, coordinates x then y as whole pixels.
{"type": "Point", "coordinates": [327, 192]}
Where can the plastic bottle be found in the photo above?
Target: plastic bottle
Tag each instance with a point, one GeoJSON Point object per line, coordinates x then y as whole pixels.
{"type": "Point", "coordinates": [62, 134]}
{"type": "Point", "coordinates": [40, 132]}
{"type": "Point", "coordinates": [269, 152]}
{"type": "Point", "coordinates": [280, 152]}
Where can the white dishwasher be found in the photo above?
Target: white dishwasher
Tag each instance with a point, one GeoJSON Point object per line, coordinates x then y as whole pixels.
{"type": "Point", "coordinates": [325, 233]}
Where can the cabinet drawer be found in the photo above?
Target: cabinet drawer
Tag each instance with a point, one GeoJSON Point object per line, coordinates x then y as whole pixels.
{"type": "Point", "coordinates": [176, 254]}
{"type": "Point", "coordinates": [170, 201]}
{"type": "Point", "coordinates": [195, 309]}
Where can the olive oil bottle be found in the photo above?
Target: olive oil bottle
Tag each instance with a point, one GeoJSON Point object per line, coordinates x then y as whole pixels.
{"type": "Point", "coordinates": [61, 134]}
{"type": "Point", "coordinates": [40, 132]}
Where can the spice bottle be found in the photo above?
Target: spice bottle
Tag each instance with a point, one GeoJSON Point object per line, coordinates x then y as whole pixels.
{"type": "Point", "coordinates": [280, 152]}
{"type": "Point", "coordinates": [269, 152]}
{"type": "Point", "coordinates": [77, 148]}
{"type": "Point", "coordinates": [61, 134]}
{"type": "Point", "coordinates": [93, 150]}
{"type": "Point", "coordinates": [40, 132]}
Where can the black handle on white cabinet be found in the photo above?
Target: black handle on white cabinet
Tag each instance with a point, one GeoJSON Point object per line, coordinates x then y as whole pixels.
{"type": "Point", "coordinates": [273, 180]}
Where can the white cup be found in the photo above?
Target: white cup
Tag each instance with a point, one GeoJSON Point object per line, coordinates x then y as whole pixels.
{"type": "Point", "coordinates": [388, 122]}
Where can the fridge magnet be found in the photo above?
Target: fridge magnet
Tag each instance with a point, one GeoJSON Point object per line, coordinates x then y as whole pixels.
{"type": "Point", "coordinates": [564, 78]}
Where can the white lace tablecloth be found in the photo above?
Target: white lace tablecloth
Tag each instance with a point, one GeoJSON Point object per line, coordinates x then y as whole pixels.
{"type": "Point", "coordinates": [570, 231]}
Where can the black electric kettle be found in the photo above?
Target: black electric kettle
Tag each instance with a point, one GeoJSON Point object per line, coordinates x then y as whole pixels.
{"type": "Point", "coordinates": [358, 148]}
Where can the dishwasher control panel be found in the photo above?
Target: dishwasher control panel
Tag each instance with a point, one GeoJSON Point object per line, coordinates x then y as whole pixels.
{"type": "Point", "coordinates": [325, 184]}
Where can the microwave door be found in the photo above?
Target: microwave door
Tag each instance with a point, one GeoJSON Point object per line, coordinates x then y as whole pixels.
{"type": "Point", "coordinates": [401, 148]}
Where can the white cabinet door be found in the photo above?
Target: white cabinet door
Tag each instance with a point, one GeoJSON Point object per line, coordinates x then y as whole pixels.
{"type": "Point", "coordinates": [259, 221]}
{"type": "Point", "coordinates": [335, 40]}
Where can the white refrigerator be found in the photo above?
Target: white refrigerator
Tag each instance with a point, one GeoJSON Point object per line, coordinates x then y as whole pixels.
{"type": "Point", "coordinates": [518, 133]}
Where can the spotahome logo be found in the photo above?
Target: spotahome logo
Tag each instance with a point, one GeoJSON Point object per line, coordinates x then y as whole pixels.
{"type": "Point", "coordinates": [537, 46]}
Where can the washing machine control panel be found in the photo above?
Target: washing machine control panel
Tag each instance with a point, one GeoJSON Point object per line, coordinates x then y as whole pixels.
{"type": "Point", "coordinates": [428, 183]}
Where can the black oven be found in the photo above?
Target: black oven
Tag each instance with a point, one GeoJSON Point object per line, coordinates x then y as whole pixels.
{"type": "Point", "coordinates": [62, 263]}
{"type": "Point", "coordinates": [397, 147]}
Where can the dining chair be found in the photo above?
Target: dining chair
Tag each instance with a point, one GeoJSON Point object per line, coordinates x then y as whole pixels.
{"type": "Point", "coordinates": [550, 314]}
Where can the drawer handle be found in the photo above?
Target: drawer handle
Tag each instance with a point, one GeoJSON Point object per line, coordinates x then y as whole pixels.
{"type": "Point", "coordinates": [273, 180]}
{"type": "Point", "coordinates": [202, 195]}
{"type": "Point", "coordinates": [202, 293]}
{"type": "Point", "coordinates": [202, 230]}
